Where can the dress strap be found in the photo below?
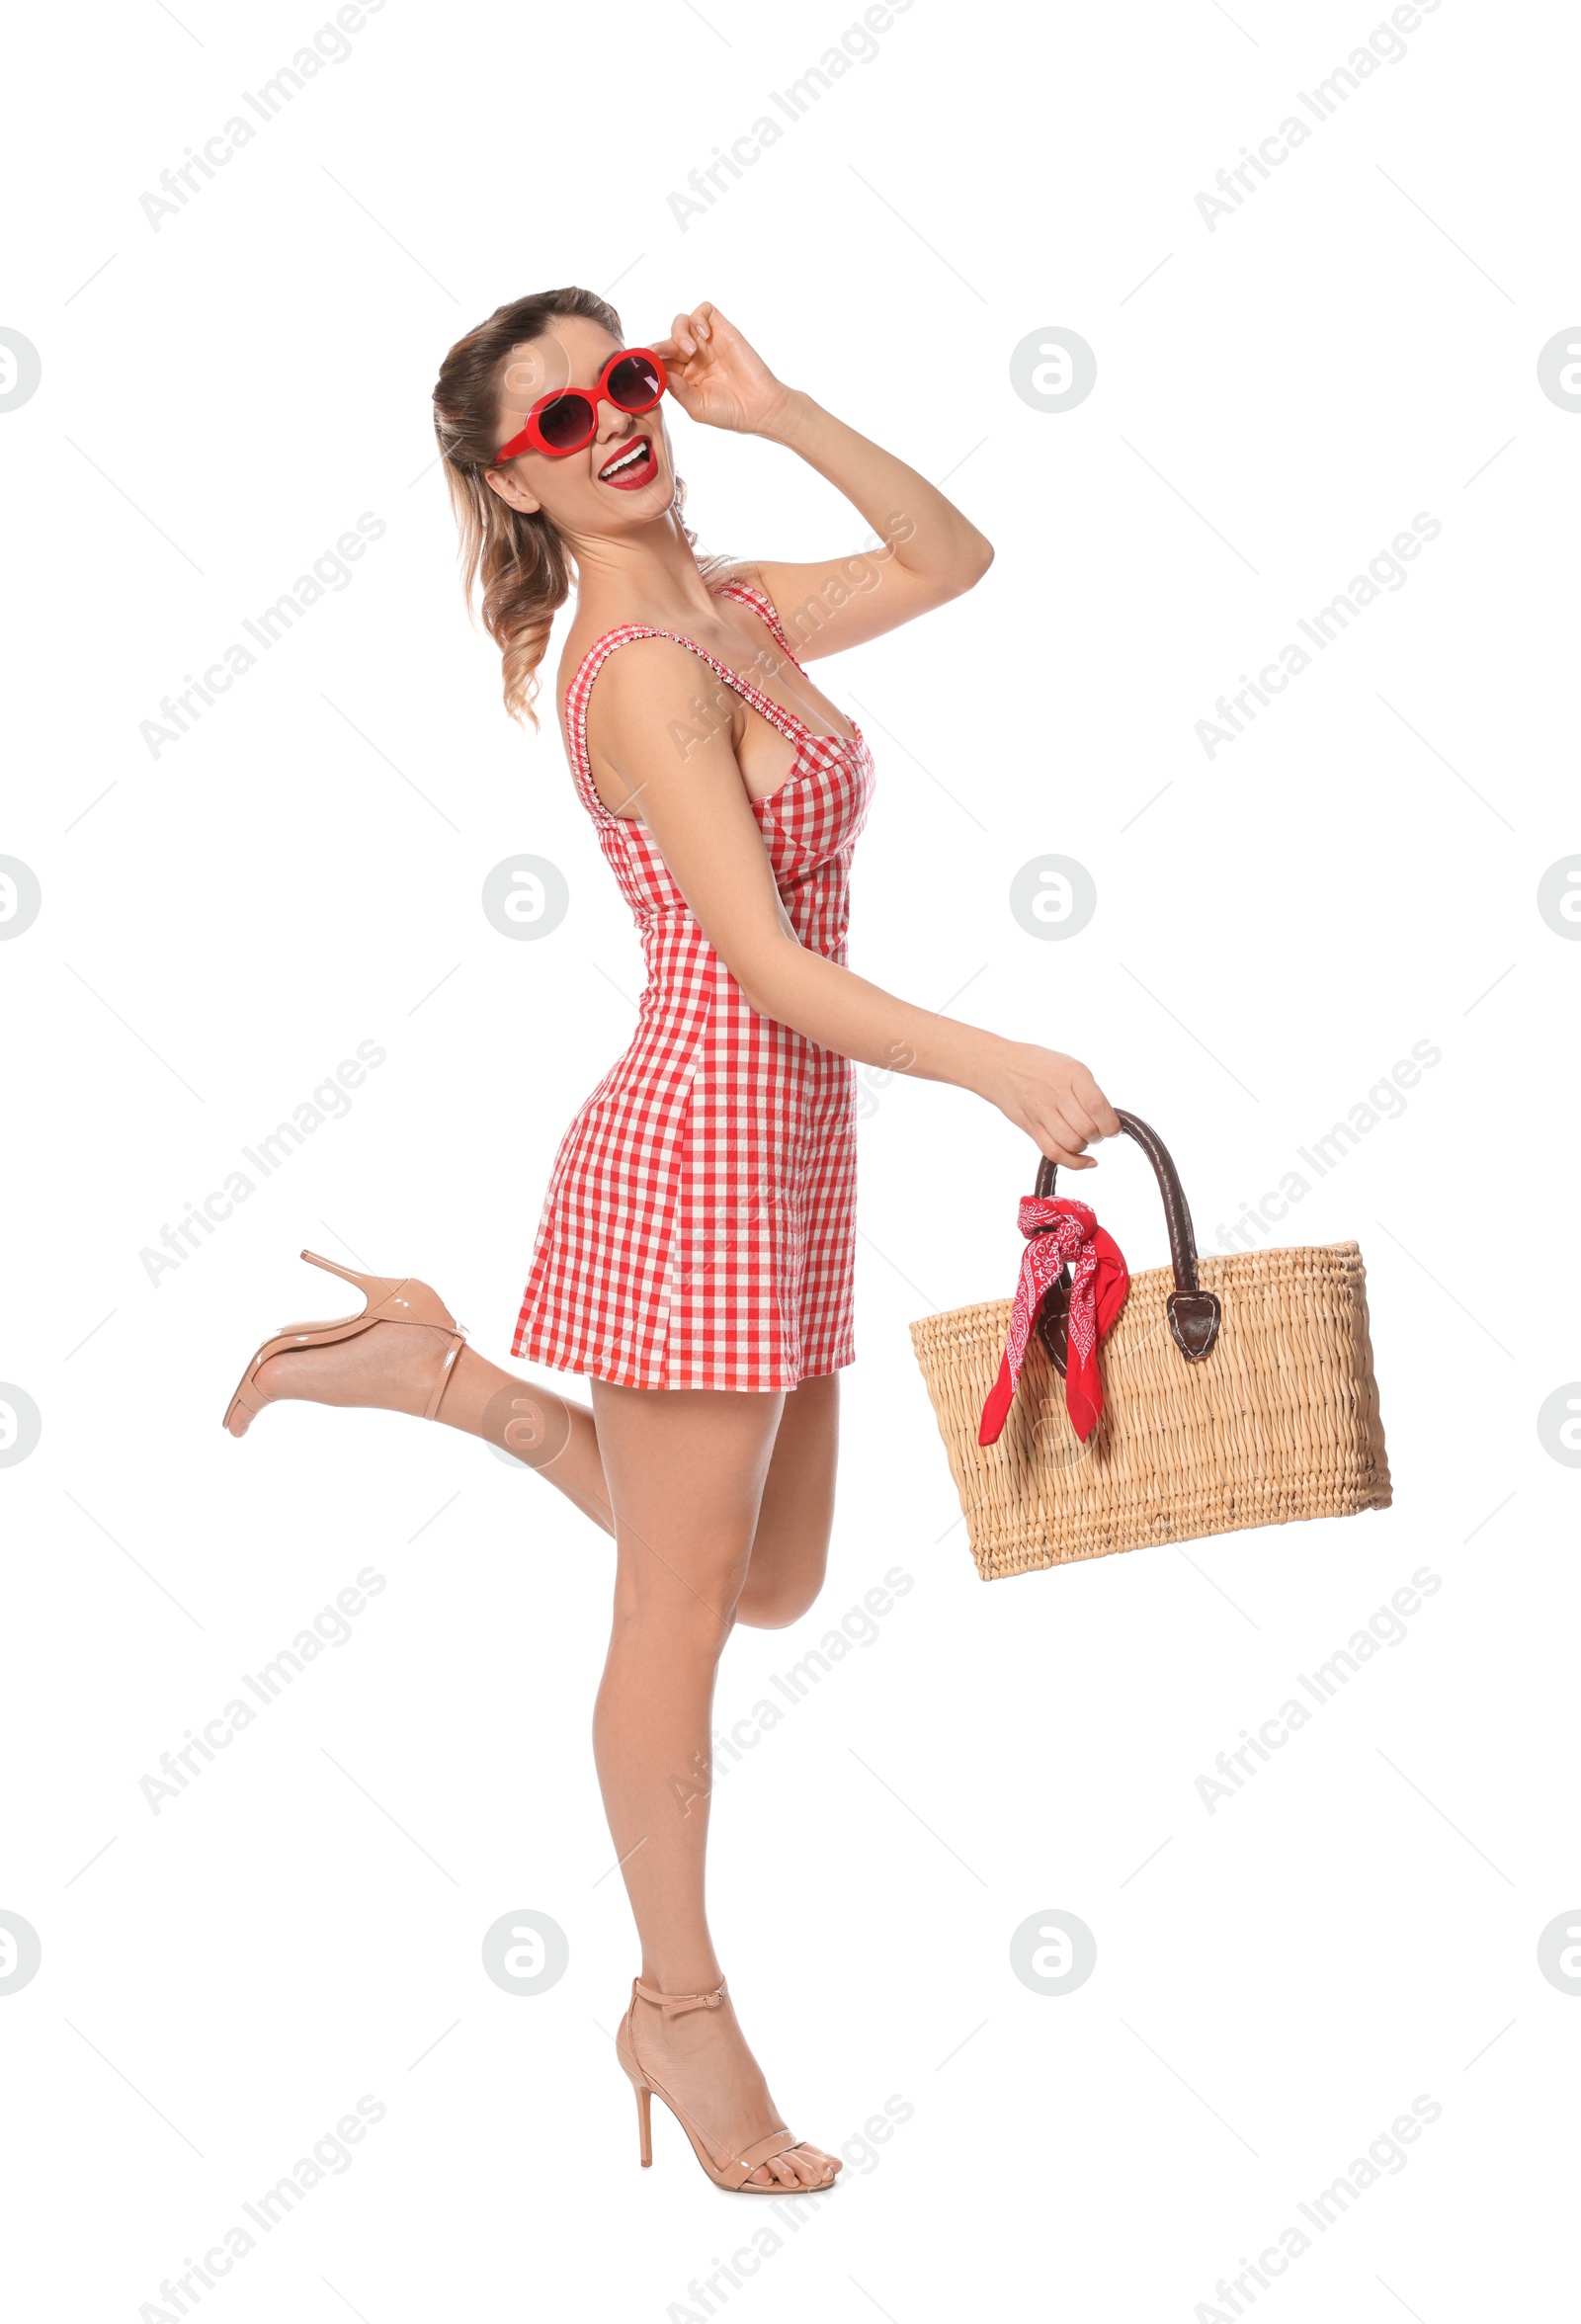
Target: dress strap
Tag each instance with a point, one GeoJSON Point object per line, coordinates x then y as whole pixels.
{"type": "Point", "coordinates": [762, 605]}
{"type": "Point", "coordinates": [579, 691]}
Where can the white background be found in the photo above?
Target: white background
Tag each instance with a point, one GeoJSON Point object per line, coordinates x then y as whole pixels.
{"type": "Point", "coordinates": [221, 399]}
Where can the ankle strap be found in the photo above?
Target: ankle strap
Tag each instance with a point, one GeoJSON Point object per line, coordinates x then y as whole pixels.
{"type": "Point", "coordinates": [445, 1373]}
{"type": "Point", "coordinates": [677, 2002]}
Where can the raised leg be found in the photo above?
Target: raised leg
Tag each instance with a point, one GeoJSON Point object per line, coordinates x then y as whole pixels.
{"type": "Point", "coordinates": [720, 1505]}
{"type": "Point", "coordinates": [790, 1542]}
{"type": "Point", "coordinates": [687, 1470]}
{"type": "Point", "coordinates": [393, 1366]}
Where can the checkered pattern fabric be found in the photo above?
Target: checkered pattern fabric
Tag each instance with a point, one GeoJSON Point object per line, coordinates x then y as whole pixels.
{"type": "Point", "coordinates": [700, 1226]}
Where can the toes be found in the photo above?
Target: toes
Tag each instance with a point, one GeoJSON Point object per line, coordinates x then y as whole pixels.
{"type": "Point", "coordinates": [799, 2166]}
{"type": "Point", "coordinates": [813, 2168]}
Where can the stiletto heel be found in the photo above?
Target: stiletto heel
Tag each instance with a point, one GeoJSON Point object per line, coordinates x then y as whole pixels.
{"type": "Point", "coordinates": [391, 1298]}
{"type": "Point", "coordinates": [373, 1287]}
{"type": "Point", "coordinates": [736, 2175]}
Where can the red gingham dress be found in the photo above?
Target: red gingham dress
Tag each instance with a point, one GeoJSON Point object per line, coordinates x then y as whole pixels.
{"type": "Point", "coordinates": [700, 1226]}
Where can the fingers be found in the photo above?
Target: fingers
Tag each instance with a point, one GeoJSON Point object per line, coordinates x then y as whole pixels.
{"type": "Point", "coordinates": [1067, 1157]}
{"type": "Point", "coordinates": [1088, 1110]}
{"type": "Point", "coordinates": [689, 333]}
{"type": "Point", "coordinates": [1083, 1108]}
{"type": "Point", "coordinates": [1062, 1132]}
{"type": "Point", "coordinates": [1107, 1120]}
{"type": "Point", "coordinates": [1068, 1127]}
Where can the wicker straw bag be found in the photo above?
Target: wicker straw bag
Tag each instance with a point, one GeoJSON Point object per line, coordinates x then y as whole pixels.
{"type": "Point", "coordinates": [1236, 1392]}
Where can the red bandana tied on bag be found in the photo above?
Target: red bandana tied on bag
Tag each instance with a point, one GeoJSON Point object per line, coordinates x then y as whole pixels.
{"type": "Point", "coordinates": [1060, 1234]}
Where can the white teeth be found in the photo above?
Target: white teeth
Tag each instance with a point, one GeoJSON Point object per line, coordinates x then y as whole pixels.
{"type": "Point", "coordinates": [637, 453]}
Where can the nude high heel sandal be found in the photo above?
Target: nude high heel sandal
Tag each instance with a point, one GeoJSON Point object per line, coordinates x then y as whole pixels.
{"type": "Point", "coordinates": [736, 2176]}
{"type": "Point", "coordinates": [391, 1298]}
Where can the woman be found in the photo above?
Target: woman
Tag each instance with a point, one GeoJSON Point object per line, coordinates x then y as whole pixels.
{"type": "Point", "coordinates": [695, 1251]}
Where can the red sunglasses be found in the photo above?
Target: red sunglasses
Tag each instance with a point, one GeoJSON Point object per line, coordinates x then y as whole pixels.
{"type": "Point", "coordinates": [567, 419]}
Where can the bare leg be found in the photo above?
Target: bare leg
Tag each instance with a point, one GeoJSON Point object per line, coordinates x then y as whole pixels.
{"type": "Point", "coordinates": [790, 1546]}
{"type": "Point", "coordinates": [725, 1503]}
{"type": "Point", "coordinates": [686, 1470]}
{"type": "Point", "coordinates": [393, 1366]}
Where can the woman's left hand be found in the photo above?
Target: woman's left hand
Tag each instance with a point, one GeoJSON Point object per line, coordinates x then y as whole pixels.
{"type": "Point", "coordinates": [717, 377]}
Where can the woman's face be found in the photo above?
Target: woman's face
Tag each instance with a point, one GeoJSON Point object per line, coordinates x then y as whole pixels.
{"type": "Point", "coordinates": [622, 479]}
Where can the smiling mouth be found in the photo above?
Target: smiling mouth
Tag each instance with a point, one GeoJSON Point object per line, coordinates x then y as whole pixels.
{"type": "Point", "coordinates": [632, 467]}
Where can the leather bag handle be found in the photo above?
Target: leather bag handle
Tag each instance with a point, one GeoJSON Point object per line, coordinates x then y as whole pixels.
{"type": "Point", "coordinates": [1195, 1315]}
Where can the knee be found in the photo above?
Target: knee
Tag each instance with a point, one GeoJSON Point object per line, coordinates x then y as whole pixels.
{"type": "Point", "coordinates": [774, 1602]}
{"type": "Point", "coordinates": [687, 1625]}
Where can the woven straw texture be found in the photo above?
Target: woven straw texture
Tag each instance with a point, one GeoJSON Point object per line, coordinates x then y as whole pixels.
{"type": "Point", "coordinates": [1280, 1421]}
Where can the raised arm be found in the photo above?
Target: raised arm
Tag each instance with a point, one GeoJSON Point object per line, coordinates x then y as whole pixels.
{"type": "Point", "coordinates": [694, 805]}
{"type": "Point", "coordinates": [925, 552]}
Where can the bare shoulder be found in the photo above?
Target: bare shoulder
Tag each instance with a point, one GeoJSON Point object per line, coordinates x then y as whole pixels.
{"type": "Point", "coordinates": [650, 703]}
{"type": "Point", "coordinates": [636, 665]}
{"type": "Point", "coordinates": [581, 640]}
{"type": "Point", "coordinates": [657, 672]}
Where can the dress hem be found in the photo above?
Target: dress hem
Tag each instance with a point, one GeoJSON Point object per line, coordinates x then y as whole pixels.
{"type": "Point", "coordinates": [524, 1354]}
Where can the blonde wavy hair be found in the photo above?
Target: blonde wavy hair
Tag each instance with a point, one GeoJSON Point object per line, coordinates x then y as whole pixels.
{"type": "Point", "coordinates": [520, 564]}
